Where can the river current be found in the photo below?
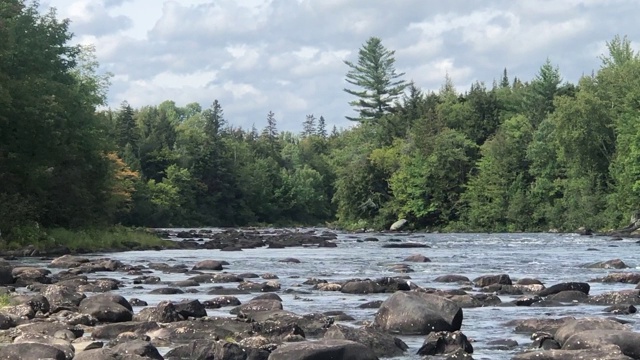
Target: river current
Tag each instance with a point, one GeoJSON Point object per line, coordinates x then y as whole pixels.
{"type": "Point", "coordinates": [551, 258]}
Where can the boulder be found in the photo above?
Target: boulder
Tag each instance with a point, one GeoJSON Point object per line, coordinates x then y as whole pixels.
{"type": "Point", "coordinates": [143, 349]}
{"type": "Point", "coordinates": [627, 341]}
{"type": "Point", "coordinates": [368, 286]}
{"type": "Point", "coordinates": [609, 264]}
{"type": "Point", "coordinates": [576, 326]}
{"type": "Point", "coordinates": [554, 289]}
{"type": "Point", "coordinates": [323, 349]}
{"type": "Point", "coordinates": [486, 280]}
{"type": "Point", "coordinates": [60, 344]}
{"type": "Point", "coordinates": [190, 308]}
{"type": "Point", "coordinates": [417, 258]}
{"type": "Point", "coordinates": [444, 343]}
{"type": "Point", "coordinates": [107, 308]}
{"type": "Point", "coordinates": [221, 301]}
{"type": "Point", "coordinates": [164, 312]}
{"type": "Point", "coordinates": [533, 325]}
{"type": "Point", "coordinates": [413, 313]}
{"type": "Point", "coordinates": [68, 261]}
{"type": "Point", "coordinates": [398, 225]}
{"type": "Point", "coordinates": [216, 350]}
{"type": "Point", "coordinates": [621, 277]}
{"type": "Point", "coordinates": [31, 351]}
{"type": "Point", "coordinates": [628, 297]}
{"type": "Point", "coordinates": [208, 265]}
{"type": "Point", "coordinates": [382, 344]}
{"type": "Point", "coordinates": [452, 279]}
{"type": "Point", "coordinates": [570, 296]}
{"type": "Point", "coordinates": [257, 305]}
{"type": "Point", "coordinates": [111, 331]}
{"type": "Point", "coordinates": [61, 296]}
{"type": "Point", "coordinates": [599, 354]}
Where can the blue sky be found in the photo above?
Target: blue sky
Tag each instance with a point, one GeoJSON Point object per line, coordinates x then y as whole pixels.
{"type": "Point", "coordinates": [286, 56]}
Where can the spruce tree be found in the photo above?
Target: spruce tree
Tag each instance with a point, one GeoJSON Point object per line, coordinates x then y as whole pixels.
{"type": "Point", "coordinates": [376, 76]}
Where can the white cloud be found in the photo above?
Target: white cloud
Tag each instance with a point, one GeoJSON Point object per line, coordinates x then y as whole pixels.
{"type": "Point", "coordinates": [287, 55]}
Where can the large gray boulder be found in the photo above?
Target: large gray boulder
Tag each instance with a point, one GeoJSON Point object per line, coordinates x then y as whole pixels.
{"type": "Point", "coordinates": [572, 327]}
{"type": "Point", "coordinates": [108, 308]}
{"type": "Point", "coordinates": [31, 351]}
{"type": "Point", "coordinates": [323, 350]}
{"type": "Point", "coordinates": [415, 313]}
{"type": "Point", "coordinates": [627, 341]}
{"type": "Point", "coordinates": [604, 354]}
{"type": "Point", "coordinates": [382, 344]}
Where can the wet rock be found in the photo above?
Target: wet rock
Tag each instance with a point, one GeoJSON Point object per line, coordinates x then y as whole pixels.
{"type": "Point", "coordinates": [290, 260]}
{"type": "Point", "coordinates": [382, 344]}
{"type": "Point", "coordinates": [267, 296]}
{"type": "Point", "coordinates": [313, 325]}
{"type": "Point", "coordinates": [627, 341]}
{"type": "Point", "coordinates": [576, 326]}
{"type": "Point", "coordinates": [209, 329]}
{"type": "Point", "coordinates": [568, 296]}
{"type": "Point", "coordinates": [219, 290]}
{"type": "Point", "coordinates": [190, 308]}
{"type": "Point", "coordinates": [47, 328]}
{"type": "Point", "coordinates": [338, 315]}
{"type": "Point", "coordinates": [257, 305]}
{"type": "Point", "coordinates": [411, 313]}
{"type": "Point", "coordinates": [25, 275]}
{"type": "Point", "coordinates": [146, 279]}
{"type": "Point", "coordinates": [142, 349]}
{"type": "Point", "coordinates": [107, 308]}
{"type": "Point", "coordinates": [259, 287]}
{"type": "Point", "coordinates": [502, 344]}
{"type": "Point", "coordinates": [533, 325]}
{"type": "Point", "coordinates": [474, 300]}
{"type": "Point", "coordinates": [31, 351]}
{"type": "Point", "coordinates": [328, 287]}
{"type": "Point", "coordinates": [68, 261]}
{"type": "Point", "coordinates": [60, 344]}
{"type": "Point", "coordinates": [609, 264]}
{"type": "Point", "coordinates": [417, 258]}
{"type": "Point", "coordinates": [452, 279]}
{"type": "Point", "coordinates": [631, 297]}
{"type": "Point", "coordinates": [164, 312]}
{"type": "Point", "coordinates": [486, 280]}
{"type": "Point", "coordinates": [269, 276]}
{"type": "Point", "coordinates": [111, 331]}
{"type": "Point", "coordinates": [137, 302]}
{"type": "Point", "coordinates": [526, 300]}
{"type": "Point", "coordinates": [323, 349]}
{"type": "Point", "coordinates": [208, 265]}
{"type": "Point", "coordinates": [444, 343]}
{"type": "Point", "coordinates": [221, 301]}
{"type": "Point", "coordinates": [545, 341]}
{"type": "Point", "coordinates": [371, 304]}
{"type": "Point", "coordinates": [606, 354]}
{"type": "Point", "coordinates": [185, 283]}
{"type": "Point", "coordinates": [620, 277]}
{"type": "Point", "coordinates": [166, 291]}
{"type": "Point", "coordinates": [60, 296]}
{"type": "Point", "coordinates": [224, 350]}
{"type": "Point", "coordinates": [577, 286]}
{"type": "Point", "coordinates": [622, 309]}
{"type": "Point", "coordinates": [368, 286]}
{"type": "Point", "coordinates": [405, 245]}
{"type": "Point", "coordinates": [216, 278]}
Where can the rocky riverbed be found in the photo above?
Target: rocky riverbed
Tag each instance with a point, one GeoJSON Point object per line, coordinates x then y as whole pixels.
{"type": "Point", "coordinates": [316, 294]}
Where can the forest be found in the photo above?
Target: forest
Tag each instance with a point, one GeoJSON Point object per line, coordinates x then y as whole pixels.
{"type": "Point", "coordinates": [504, 156]}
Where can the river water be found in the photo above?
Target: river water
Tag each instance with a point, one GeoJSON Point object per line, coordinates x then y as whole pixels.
{"type": "Point", "coordinates": [551, 258]}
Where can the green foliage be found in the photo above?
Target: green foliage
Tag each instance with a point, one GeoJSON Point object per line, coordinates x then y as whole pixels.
{"type": "Point", "coordinates": [376, 75]}
{"type": "Point", "coordinates": [519, 156]}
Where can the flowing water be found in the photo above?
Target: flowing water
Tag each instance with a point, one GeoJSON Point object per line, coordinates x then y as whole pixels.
{"type": "Point", "coordinates": [551, 258]}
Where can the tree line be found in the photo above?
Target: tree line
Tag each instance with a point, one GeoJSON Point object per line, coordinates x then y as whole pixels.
{"type": "Point", "coordinates": [514, 155]}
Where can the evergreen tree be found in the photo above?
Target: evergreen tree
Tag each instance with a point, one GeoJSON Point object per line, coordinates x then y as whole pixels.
{"type": "Point", "coordinates": [376, 75]}
{"type": "Point", "coordinates": [321, 129]}
{"type": "Point", "coordinates": [309, 126]}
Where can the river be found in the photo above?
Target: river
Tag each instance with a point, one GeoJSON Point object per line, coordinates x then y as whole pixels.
{"type": "Point", "coordinates": [551, 258]}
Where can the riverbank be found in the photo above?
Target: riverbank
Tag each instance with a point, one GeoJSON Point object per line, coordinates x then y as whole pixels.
{"type": "Point", "coordinates": [36, 241]}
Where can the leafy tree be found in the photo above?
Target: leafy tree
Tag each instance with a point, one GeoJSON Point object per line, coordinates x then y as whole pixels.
{"type": "Point", "coordinates": [376, 75]}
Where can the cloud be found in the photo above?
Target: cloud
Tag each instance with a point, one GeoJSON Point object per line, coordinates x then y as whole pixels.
{"type": "Point", "coordinates": [287, 55]}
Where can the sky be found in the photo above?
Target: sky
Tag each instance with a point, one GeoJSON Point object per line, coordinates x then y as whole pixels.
{"type": "Point", "coordinates": [287, 56]}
